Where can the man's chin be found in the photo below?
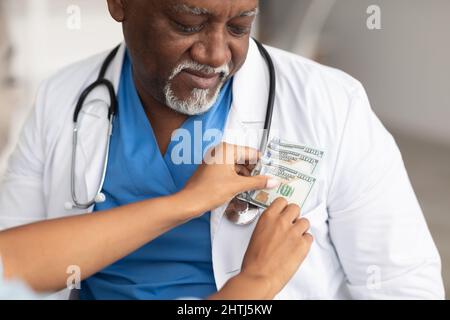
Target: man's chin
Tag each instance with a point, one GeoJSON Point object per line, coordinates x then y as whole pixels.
{"type": "Point", "coordinates": [188, 108]}
{"type": "Point", "coordinates": [198, 102]}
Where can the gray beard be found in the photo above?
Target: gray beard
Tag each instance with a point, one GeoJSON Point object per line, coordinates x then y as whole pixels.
{"type": "Point", "coordinates": [197, 103]}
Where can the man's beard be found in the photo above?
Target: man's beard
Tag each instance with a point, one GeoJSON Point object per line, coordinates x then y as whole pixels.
{"type": "Point", "coordinates": [199, 100]}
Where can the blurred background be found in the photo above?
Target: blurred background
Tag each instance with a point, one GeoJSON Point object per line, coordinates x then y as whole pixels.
{"type": "Point", "coordinates": [399, 50]}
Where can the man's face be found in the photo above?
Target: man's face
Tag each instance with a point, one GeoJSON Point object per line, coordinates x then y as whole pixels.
{"type": "Point", "coordinates": [184, 50]}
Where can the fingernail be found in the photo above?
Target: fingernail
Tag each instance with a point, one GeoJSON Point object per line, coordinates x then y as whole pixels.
{"type": "Point", "coordinates": [272, 183]}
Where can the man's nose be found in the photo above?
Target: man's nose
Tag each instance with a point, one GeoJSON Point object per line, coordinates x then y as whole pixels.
{"type": "Point", "coordinates": [213, 50]}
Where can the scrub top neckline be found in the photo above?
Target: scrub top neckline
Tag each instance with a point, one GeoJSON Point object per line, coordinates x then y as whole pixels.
{"type": "Point", "coordinates": [145, 127]}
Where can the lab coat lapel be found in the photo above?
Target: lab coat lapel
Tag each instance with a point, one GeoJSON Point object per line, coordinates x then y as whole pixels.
{"type": "Point", "coordinates": [92, 136]}
{"type": "Point", "coordinates": [244, 127]}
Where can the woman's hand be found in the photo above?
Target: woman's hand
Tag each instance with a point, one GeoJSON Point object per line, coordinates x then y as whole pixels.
{"type": "Point", "coordinates": [277, 248]}
{"type": "Point", "coordinates": [224, 173]}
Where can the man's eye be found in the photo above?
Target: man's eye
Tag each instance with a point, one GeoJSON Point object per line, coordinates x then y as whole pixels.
{"type": "Point", "coordinates": [239, 31]}
{"type": "Point", "coordinates": [188, 29]}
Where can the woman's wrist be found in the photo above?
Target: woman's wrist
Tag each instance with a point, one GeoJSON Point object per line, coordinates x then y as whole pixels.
{"type": "Point", "coordinates": [246, 286]}
{"type": "Point", "coordinates": [263, 286]}
{"type": "Point", "coordinates": [189, 205]}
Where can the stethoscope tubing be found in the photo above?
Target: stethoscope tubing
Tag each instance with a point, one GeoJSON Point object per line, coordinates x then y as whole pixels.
{"type": "Point", "coordinates": [112, 110]}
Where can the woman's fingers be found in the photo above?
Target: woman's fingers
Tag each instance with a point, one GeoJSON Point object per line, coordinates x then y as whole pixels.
{"type": "Point", "coordinates": [246, 155]}
{"type": "Point", "coordinates": [291, 213]}
{"type": "Point", "coordinates": [242, 170]}
{"type": "Point", "coordinates": [301, 226]}
{"type": "Point", "coordinates": [308, 237]}
{"type": "Point", "coordinates": [276, 208]}
{"type": "Point", "coordinates": [229, 154]}
{"type": "Point", "coordinates": [256, 183]}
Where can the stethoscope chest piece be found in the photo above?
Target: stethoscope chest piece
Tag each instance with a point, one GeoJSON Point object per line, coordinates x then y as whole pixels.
{"type": "Point", "coordinates": [241, 213]}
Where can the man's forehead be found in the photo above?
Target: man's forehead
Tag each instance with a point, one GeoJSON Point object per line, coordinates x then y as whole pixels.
{"type": "Point", "coordinates": [239, 8]}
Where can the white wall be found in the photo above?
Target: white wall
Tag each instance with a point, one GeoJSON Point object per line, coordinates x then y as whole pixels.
{"type": "Point", "coordinates": [405, 67]}
{"type": "Point", "coordinates": [43, 43]}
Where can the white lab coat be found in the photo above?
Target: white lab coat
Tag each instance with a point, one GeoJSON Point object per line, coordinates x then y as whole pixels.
{"type": "Point", "coordinates": [371, 239]}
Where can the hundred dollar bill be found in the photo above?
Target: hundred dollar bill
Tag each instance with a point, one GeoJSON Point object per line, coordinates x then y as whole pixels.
{"type": "Point", "coordinates": [278, 144]}
{"type": "Point", "coordinates": [291, 159]}
{"type": "Point", "coordinates": [295, 186]}
{"type": "Point", "coordinates": [287, 156]}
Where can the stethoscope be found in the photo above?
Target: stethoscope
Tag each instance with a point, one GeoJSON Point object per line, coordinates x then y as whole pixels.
{"type": "Point", "coordinates": [242, 212]}
{"type": "Point", "coordinates": [238, 211]}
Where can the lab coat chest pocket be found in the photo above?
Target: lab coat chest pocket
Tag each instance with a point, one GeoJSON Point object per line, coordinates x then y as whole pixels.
{"type": "Point", "coordinates": [229, 246]}
{"type": "Point", "coordinates": [307, 283]}
{"type": "Point", "coordinates": [310, 281]}
{"type": "Point", "coordinates": [232, 242]}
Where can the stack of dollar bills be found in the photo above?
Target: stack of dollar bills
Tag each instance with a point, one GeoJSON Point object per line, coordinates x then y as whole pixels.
{"type": "Point", "coordinates": [295, 166]}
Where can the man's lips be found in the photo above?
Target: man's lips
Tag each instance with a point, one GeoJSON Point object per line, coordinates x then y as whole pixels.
{"type": "Point", "coordinates": [200, 80]}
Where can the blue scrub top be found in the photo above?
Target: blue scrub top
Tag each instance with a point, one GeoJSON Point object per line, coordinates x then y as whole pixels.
{"type": "Point", "coordinates": [178, 263]}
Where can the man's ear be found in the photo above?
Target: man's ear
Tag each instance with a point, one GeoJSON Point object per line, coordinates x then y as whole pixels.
{"type": "Point", "coordinates": [117, 9]}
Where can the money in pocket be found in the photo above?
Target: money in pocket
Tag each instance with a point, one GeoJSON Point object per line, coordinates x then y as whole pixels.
{"type": "Point", "coordinates": [292, 159]}
{"type": "Point", "coordinates": [295, 186]}
{"type": "Point", "coordinates": [278, 144]}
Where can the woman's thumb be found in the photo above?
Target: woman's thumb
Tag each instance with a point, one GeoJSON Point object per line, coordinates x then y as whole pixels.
{"type": "Point", "coordinates": [260, 182]}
